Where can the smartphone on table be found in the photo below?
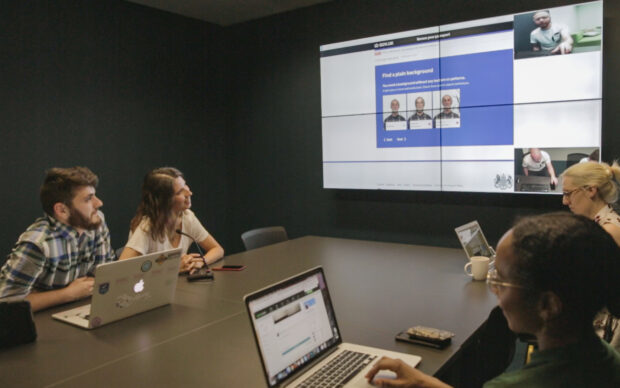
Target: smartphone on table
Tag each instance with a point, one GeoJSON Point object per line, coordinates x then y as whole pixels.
{"type": "Point", "coordinates": [229, 267]}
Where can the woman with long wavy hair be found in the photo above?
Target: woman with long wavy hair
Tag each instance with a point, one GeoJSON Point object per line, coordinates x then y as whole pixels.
{"type": "Point", "coordinates": [164, 209]}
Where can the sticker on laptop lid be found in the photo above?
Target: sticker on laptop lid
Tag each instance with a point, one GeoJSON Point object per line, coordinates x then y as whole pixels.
{"type": "Point", "coordinates": [104, 288]}
{"type": "Point", "coordinates": [161, 259]}
{"type": "Point", "coordinates": [96, 321]}
{"type": "Point", "coordinates": [146, 266]}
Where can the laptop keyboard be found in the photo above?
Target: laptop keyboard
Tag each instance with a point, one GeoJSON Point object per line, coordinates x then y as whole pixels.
{"type": "Point", "coordinates": [84, 312]}
{"type": "Point", "coordinates": [85, 315]}
{"type": "Point", "coordinates": [339, 370]}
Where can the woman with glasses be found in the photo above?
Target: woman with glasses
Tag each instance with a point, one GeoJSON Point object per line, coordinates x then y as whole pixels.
{"type": "Point", "coordinates": [589, 190]}
{"type": "Point", "coordinates": [164, 210]}
{"type": "Point", "coordinates": [552, 274]}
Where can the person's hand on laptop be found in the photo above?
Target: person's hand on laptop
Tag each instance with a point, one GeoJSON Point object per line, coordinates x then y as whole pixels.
{"type": "Point", "coordinates": [406, 376]}
{"type": "Point", "coordinates": [77, 289]}
{"type": "Point", "coordinates": [80, 288]}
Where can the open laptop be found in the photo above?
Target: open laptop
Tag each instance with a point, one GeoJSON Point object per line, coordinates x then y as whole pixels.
{"type": "Point", "coordinates": [473, 241]}
{"type": "Point", "coordinates": [128, 287]}
{"type": "Point", "coordinates": [297, 335]}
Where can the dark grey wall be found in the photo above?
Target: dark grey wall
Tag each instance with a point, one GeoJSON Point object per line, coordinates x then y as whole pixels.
{"type": "Point", "coordinates": [275, 136]}
{"type": "Point", "coordinates": [117, 87]}
{"type": "Point", "coordinates": [123, 88]}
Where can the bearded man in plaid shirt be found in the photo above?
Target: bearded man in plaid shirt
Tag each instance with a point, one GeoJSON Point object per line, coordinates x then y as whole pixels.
{"type": "Point", "coordinates": [53, 261]}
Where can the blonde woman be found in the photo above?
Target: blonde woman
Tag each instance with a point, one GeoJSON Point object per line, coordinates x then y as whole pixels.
{"type": "Point", "coordinates": [589, 189]}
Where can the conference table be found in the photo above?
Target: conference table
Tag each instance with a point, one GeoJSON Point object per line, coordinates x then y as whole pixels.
{"type": "Point", "coordinates": [204, 337]}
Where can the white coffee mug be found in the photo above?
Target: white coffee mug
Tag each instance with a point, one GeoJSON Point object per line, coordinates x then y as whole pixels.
{"type": "Point", "coordinates": [479, 266]}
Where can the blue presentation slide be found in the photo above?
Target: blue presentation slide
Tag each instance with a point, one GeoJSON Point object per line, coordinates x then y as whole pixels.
{"type": "Point", "coordinates": [482, 88]}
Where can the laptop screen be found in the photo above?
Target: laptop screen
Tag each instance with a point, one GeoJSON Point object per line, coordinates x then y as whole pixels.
{"type": "Point", "coordinates": [294, 323]}
{"type": "Point", "coordinates": [473, 240]}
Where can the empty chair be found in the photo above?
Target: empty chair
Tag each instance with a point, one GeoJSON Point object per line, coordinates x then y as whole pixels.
{"type": "Point", "coordinates": [260, 237]}
{"type": "Point", "coordinates": [574, 158]}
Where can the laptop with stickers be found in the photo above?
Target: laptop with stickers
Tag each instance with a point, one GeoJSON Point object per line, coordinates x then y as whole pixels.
{"type": "Point", "coordinates": [298, 338]}
{"type": "Point", "coordinates": [126, 288]}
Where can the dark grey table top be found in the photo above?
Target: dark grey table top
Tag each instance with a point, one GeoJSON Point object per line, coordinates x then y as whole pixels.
{"type": "Point", "coordinates": [204, 337]}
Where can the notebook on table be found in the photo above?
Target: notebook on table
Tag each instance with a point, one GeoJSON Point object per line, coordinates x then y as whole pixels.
{"type": "Point", "coordinates": [298, 338]}
{"type": "Point", "coordinates": [126, 288]}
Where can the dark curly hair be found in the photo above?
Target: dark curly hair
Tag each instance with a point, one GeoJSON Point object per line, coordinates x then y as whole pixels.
{"type": "Point", "coordinates": [571, 256]}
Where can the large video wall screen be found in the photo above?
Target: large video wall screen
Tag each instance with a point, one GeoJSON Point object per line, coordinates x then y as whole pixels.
{"type": "Point", "coordinates": [502, 104]}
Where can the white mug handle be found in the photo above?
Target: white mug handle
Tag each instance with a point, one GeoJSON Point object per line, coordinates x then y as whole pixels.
{"type": "Point", "coordinates": [465, 269]}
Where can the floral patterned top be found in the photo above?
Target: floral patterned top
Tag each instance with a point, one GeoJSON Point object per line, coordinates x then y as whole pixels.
{"type": "Point", "coordinates": [605, 325]}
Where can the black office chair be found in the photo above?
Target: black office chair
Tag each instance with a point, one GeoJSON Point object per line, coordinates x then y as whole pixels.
{"type": "Point", "coordinates": [261, 237]}
{"type": "Point", "coordinates": [574, 158]}
{"type": "Point", "coordinates": [16, 322]}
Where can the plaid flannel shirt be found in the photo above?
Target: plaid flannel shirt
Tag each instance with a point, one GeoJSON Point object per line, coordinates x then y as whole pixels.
{"type": "Point", "coordinates": [49, 255]}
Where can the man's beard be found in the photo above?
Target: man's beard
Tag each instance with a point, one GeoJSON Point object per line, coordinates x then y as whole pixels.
{"type": "Point", "coordinates": [77, 220]}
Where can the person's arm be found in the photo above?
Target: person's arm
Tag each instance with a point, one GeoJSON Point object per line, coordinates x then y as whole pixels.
{"type": "Point", "coordinates": [534, 42]}
{"type": "Point", "coordinates": [551, 170]}
{"type": "Point", "coordinates": [77, 289]}
{"type": "Point", "coordinates": [24, 266]}
{"type": "Point", "coordinates": [406, 375]}
{"type": "Point", "coordinates": [213, 249]}
{"type": "Point", "coordinates": [128, 253]}
{"type": "Point", "coordinates": [566, 43]}
{"type": "Point", "coordinates": [525, 171]}
{"type": "Point", "coordinates": [213, 252]}
{"type": "Point", "coordinates": [614, 231]}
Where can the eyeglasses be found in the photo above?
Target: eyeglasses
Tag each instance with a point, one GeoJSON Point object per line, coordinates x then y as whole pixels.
{"type": "Point", "coordinates": [495, 283]}
{"type": "Point", "coordinates": [568, 194]}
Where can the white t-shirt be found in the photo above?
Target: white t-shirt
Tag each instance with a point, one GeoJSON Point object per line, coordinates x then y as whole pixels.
{"type": "Point", "coordinates": [532, 165]}
{"type": "Point", "coordinates": [140, 240]}
{"type": "Point", "coordinates": [550, 38]}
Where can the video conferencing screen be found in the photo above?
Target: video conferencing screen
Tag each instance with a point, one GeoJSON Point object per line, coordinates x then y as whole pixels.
{"type": "Point", "coordinates": [502, 104]}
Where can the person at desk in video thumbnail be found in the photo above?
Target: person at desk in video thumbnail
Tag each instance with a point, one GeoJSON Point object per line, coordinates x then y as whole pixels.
{"type": "Point", "coordinates": [419, 112]}
{"type": "Point", "coordinates": [538, 163]}
{"type": "Point", "coordinates": [447, 113]}
{"type": "Point", "coordinates": [552, 273]}
{"type": "Point", "coordinates": [164, 210]}
{"type": "Point", "coordinates": [395, 106]}
{"type": "Point", "coordinates": [54, 259]}
{"type": "Point", "coordinates": [551, 37]}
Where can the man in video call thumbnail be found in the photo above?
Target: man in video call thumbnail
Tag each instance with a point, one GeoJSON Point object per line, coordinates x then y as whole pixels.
{"type": "Point", "coordinates": [538, 163]}
{"type": "Point", "coordinates": [551, 37]}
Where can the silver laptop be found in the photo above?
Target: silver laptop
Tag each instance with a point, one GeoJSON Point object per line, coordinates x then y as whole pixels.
{"type": "Point", "coordinates": [298, 338]}
{"type": "Point", "coordinates": [473, 241]}
{"type": "Point", "coordinates": [128, 287]}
